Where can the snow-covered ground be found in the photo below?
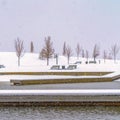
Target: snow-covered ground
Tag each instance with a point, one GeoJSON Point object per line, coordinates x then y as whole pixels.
{"type": "Point", "coordinates": [61, 92]}
{"type": "Point", "coordinates": [31, 62]}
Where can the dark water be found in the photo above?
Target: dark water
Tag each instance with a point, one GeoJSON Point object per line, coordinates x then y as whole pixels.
{"type": "Point", "coordinates": [60, 113]}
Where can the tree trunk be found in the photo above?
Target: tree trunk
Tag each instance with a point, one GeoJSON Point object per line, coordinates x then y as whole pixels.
{"type": "Point", "coordinates": [94, 59]}
{"type": "Point", "coordinates": [47, 61]}
{"type": "Point", "coordinates": [68, 60]}
{"type": "Point", "coordinates": [56, 60]}
{"type": "Point", "coordinates": [114, 59]}
{"type": "Point", "coordinates": [18, 61]}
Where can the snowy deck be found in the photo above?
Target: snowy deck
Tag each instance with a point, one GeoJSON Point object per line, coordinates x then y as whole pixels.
{"type": "Point", "coordinates": [56, 79]}
{"type": "Point", "coordinates": [59, 79]}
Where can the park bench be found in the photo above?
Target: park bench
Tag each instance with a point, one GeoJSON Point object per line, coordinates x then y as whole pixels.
{"type": "Point", "coordinates": [71, 67]}
{"type": "Point", "coordinates": [55, 67]}
{"type": "Point", "coordinates": [78, 62]}
{"type": "Point", "coordinates": [92, 62]}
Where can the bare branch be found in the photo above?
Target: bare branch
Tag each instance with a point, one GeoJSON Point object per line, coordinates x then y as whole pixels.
{"type": "Point", "coordinates": [64, 49]}
{"type": "Point", "coordinates": [104, 55]}
{"type": "Point", "coordinates": [115, 50]}
{"type": "Point", "coordinates": [87, 55]}
{"type": "Point", "coordinates": [19, 48]}
{"type": "Point", "coordinates": [78, 50]}
{"type": "Point", "coordinates": [96, 51]}
{"type": "Point", "coordinates": [69, 52]}
{"type": "Point", "coordinates": [47, 50]}
{"type": "Point", "coordinates": [31, 47]}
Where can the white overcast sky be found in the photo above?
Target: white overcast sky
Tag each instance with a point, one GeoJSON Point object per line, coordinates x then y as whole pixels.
{"type": "Point", "coordinates": [75, 21]}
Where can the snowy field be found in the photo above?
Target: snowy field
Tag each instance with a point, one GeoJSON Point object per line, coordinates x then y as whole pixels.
{"type": "Point", "coordinates": [31, 62]}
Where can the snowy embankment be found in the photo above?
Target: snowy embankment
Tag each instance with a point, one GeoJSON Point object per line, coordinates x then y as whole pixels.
{"type": "Point", "coordinates": [61, 92]}
{"type": "Point", "coordinates": [59, 97]}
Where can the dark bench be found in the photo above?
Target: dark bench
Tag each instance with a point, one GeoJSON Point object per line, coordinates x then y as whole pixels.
{"type": "Point", "coordinates": [71, 67]}
{"type": "Point", "coordinates": [78, 62]}
{"type": "Point", "coordinates": [55, 67]}
{"type": "Point", "coordinates": [92, 62]}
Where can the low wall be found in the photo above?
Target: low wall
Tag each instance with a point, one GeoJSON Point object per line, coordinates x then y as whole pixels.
{"type": "Point", "coordinates": [73, 73]}
{"type": "Point", "coordinates": [58, 81]}
{"type": "Point", "coordinates": [59, 97]}
{"type": "Point", "coordinates": [45, 100]}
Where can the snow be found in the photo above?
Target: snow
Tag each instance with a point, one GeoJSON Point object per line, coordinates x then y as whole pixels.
{"type": "Point", "coordinates": [31, 63]}
{"type": "Point", "coordinates": [61, 92]}
{"type": "Point", "coordinates": [6, 78]}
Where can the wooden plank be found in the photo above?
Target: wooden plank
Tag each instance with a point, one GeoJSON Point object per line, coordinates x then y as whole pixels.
{"type": "Point", "coordinates": [74, 73]}
{"type": "Point", "coordinates": [56, 81]}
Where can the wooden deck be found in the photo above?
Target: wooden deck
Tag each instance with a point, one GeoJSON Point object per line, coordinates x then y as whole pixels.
{"type": "Point", "coordinates": [101, 77]}
{"type": "Point", "coordinates": [58, 81]}
{"type": "Point", "coordinates": [75, 79]}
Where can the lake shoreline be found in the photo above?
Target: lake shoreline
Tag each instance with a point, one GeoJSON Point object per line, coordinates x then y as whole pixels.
{"type": "Point", "coordinates": [59, 97]}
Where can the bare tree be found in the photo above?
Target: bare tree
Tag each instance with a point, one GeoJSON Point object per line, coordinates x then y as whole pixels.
{"type": "Point", "coordinates": [64, 49]}
{"type": "Point", "coordinates": [104, 55]}
{"type": "Point", "coordinates": [31, 47]}
{"type": "Point", "coordinates": [41, 54]}
{"type": "Point", "coordinates": [69, 53]}
{"type": "Point", "coordinates": [48, 51]}
{"type": "Point", "coordinates": [19, 48]}
{"type": "Point", "coordinates": [83, 53]}
{"type": "Point", "coordinates": [87, 55]}
{"type": "Point", "coordinates": [114, 50]}
{"type": "Point", "coordinates": [96, 52]}
{"type": "Point", "coordinates": [109, 56]}
{"type": "Point", "coordinates": [78, 50]}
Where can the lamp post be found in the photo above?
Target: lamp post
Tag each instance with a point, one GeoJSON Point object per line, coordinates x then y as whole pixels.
{"type": "Point", "coordinates": [56, 57]}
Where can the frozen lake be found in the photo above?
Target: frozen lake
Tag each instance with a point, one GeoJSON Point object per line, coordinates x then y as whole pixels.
{"type": "Point", "coordinates": [60, 113]}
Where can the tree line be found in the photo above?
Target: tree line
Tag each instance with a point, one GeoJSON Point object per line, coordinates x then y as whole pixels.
{"type": "Point", "coordinates": [48, 51]}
